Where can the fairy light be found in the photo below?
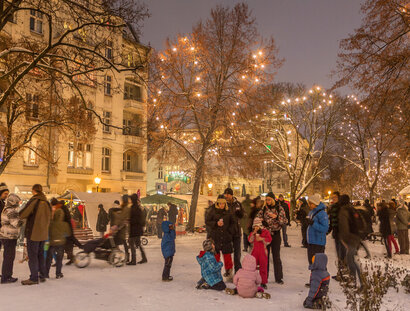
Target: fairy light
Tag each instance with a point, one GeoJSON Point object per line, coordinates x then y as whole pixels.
{"type": "Point", "coordinates": [198, 78]}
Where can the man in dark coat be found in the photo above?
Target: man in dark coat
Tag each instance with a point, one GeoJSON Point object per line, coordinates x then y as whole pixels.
{"type": "Point", "coordinates": [236, 210]}
{"type": "Point", "coordinates": [172, 212]}
{"type": "Point", "coordinates": [161, 216]}
{"type": "Point", "coordinates": [302, 216]}
{"type": "Point", "coordinates": [137, 224]}
{"type": "Point", "coordinates": [102, 220]}
{"type": "Point", "coordinates": [285, 206]}
{"type": "Point", "coordinates": [334, 227]}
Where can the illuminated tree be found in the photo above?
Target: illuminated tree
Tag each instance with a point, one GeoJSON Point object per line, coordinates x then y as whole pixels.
{"type": "Point", "coordinates": [202, 80]}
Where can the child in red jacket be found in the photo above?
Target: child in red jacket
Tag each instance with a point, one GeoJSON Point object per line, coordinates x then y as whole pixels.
{"type": "Point", "coordinates": [260, 238]}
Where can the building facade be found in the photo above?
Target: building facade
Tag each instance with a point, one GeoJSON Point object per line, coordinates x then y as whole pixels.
{"type": "Point", "coordinates": [115, 155]}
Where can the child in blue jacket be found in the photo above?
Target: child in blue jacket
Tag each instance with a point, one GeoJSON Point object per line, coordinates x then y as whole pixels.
{"type": "Point", "coordinates": [319, 282]}
{"type": "Point", "coordinates": [168, 248]}
{"type": "Point", "coordinates": [210, 268]}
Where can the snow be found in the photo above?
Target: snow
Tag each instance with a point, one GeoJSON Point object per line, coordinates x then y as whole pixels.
{"type": "Point", "coordinates": [102, 287]}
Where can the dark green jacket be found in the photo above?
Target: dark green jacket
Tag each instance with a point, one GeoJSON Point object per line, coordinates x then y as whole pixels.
{"type": "Point", "coordinates": [246, 205]}
{"type": "Point", "coordinates": [59, 229]}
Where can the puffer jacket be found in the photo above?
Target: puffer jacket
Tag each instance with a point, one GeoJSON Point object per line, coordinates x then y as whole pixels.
{"type": "Point", "coordinates": [319, 279]}
{"type": "Point", "coordinates": [316, 233]}
{"type": "Point", "coordinates": [210, 268]}
{"type": "Point", "coordinates": [37, 211]}
{"type": "Point", "coordinates": [59, 229]}
{"type": "Point", "coordinates": [10, 220]}
{"type": "Point", "coordinates": [273, 224]}
{"type": "Point", "coordinates": [402, 218]}
{"type": "Point", "coordinates": [222, 236]}
{"type": "Point", "coordinates": [168, 240]}
{"type": "Point", "coordinates": [248, 278]}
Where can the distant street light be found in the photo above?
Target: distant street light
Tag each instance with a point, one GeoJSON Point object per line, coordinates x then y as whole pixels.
{"type": "Point", "coordinates": [97, 181]}
{"type": "Point", "coordinates": [210, 189]}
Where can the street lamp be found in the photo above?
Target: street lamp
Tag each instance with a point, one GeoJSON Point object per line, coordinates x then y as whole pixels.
{"type": "Point", "coordinates": [97, 181]}
{"type": "Point", "coordinates": [210, 189]}
{"type": "Point", "coordinates": [329, 192]}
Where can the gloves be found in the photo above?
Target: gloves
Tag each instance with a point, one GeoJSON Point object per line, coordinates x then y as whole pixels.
{"type": "Point", "coordinates": [311, 222]}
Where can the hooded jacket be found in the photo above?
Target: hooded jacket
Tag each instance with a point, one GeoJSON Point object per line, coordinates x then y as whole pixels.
{"type": "Point", "coordinates": [210, 268]}
{"type": "Point", "coordinates": [273, 224]}
{"type": "Point", "coordinates": [316, 232]}
{"type": "Point", "coordinates": [137, 220]}
{"type": "Point", "coordinates": [37, 211]}
{"type": "Point", "coordinates": [102, 220]}
{"type": "Point", "coordinates": [259, 247]}
{"type": "Point", "coordinates": [248, 278]}
{"type": "Point", "coordinates": [222, 236]}
{"type": "Point", "coordinates": [345, 233]}
{"type": "Point", "coordinates": [119, 216]}
{"type": "Point", "coordinates": [59, 229]}
{"type": "Point", "coordinates": [319, 278]}
{"type": "Point", "coordinates": [168, 240]}
{"type": "Point", "coordinates": [402, 218]}
{"type": "Point", "coordinates": [10, 220]}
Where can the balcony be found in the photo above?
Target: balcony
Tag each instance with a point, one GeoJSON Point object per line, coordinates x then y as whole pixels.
{"type": "Point", "coordinates": [132, 176]}
{"type": "Point", "coordinates": [133, 140]}
{"type": "Point", "coordinates": [135, 106]}
{"type": "Point", "coordinates": [78, 170]}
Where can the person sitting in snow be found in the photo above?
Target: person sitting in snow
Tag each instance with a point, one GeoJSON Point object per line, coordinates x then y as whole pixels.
{"type": "Point", "coordinates": [319, 282]}
{"type": "Point", "coordinates": [168, 248]}
{"type": "Point", "coordinates": [259, 239]}
{"type": "Point", "coordinates": [247, 280]}
{"type": "Point", "coordinates": [210, 268]}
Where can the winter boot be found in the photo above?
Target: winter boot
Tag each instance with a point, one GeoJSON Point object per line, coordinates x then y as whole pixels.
{"type": "Point", "coordinates": [168, 279]}
{"type": "Point", "coordinates": [131, 263]}
{"type": "Point", "coordinates": [228, 276]}
{"type": "Point", "coordinates": [231, 291]}
{"type": "Point", "coordinates": [29, 282]}
{"type": "Point", "coordinates": [262, 295]}
{"type": "Point", "coordinates": [59, 276]}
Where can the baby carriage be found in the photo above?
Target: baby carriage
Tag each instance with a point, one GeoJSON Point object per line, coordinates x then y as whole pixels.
{"type": "Point", "coordinates": [104, 249]}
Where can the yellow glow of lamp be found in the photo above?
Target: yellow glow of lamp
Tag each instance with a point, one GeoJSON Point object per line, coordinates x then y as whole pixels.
{"type": "Point", "coordinates": [97, 181]}
{"type": "Point", "coordinates": [210, 186]}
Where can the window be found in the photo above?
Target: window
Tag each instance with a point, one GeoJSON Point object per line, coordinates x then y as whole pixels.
{"type": "Point", "coordinates": [281, 184]}
{"type": "Point", "coordinates": [106, 160]}
{"type": "Point", "coordinates": [81, 156]}
{"type": "Point", "coordinates": [131, 162]}
{"type": "Point", "coordinates": [132, 91]}
{"type": "Point", "coordinates": [126, 127]}
{"type": "Point", "coordinates": [126, 164]}
{"type": "Point", "coordinates": [32, 109]}
{"type": "Point", "coordinates": [107, 122]}
{"type": "Point", "coordinates": [108, 50]}
{"type": "Point", "coordinates": [71, 154]}
{"type": "Point", "coordinates": [88, 156]}
{"type": "Point", "coordinates": [132, 124]}
{"type": "Point", "coordinates": [30, 157]}
{"type": "Point", "coordinates": [107, 85]}
{"type": "Point", "coordinates": [36, 21]}
{"type": "Point", "coordinates": [160, 173]}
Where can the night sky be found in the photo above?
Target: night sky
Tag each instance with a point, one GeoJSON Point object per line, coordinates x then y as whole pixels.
{"type": "Point", "coordinates": [307, 32]}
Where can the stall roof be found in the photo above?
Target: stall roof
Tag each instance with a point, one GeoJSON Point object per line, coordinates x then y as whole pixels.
{"type": "Point", "coordinates": [91, 202]}
{"type": "Point", "coordinates": [161, 199]}
{"type": "Point", "coordinates": [405, 191]}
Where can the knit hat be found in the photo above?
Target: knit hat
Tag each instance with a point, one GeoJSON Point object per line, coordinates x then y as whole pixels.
{"type": "Point", "coordinates": [271, 195]}
{"type": "Point", "coordinates": [207, 245]}
{"type": "Point", "coordinates": [315, 199]}
{"type": "Point", "coordinates": [13, 200]}
{"type": "Point", "coordinates": [3, 187]}
{"type": "Point", "coordinates": [228, 191]}
{"type": "Point", "coordinates": [257, 222]}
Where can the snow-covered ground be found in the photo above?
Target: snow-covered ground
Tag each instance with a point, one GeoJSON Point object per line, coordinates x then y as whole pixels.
{"type": "Point", "coordinates": [101, 287]}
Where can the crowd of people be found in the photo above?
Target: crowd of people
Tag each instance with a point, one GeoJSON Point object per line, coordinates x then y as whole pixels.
{"type": "Point", "coordinates": [260, 224]}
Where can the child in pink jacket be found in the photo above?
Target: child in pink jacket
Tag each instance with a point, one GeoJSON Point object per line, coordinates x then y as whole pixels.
{"type": "Point", "coordinates": [247, 280]}
{"type": "Point", "coordinates": [260, 238]}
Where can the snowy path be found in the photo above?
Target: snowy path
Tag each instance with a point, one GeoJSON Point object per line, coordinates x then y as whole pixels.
{"type": "Point", "coordinates": [101, 287]}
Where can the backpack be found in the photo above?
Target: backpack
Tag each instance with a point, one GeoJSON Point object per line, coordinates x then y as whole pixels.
{"type": "Point", "coordinates": [358, 223]}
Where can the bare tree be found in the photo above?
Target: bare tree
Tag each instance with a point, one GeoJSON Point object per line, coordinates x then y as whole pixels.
{"type": "Point", "coordinates": [202, 80]}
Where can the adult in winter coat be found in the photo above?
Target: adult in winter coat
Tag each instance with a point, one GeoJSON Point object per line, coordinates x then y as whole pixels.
{"type": "Point", "coordinates": [256, 206]}
{"type": "Point", "coordinates": [102, 220]}
{"type": "Point", "coordinates": [220, 220]}
{"type": "Point", "coordinates": [318, 226]}
{"type": "Point", "coordinates": [348, 237]}
{"type": "Point", "coordinates": [248, 278]}
{"type": "Point", "coordinates": [58, 232]}
{"type": "Point", "coordinates": [9, 232]}
{"type": "Point", "coordinates": [369, 208]}
{"type": "Point", "coordinates": [37, 211]}
{"type": "Point", "coordinates": [403, 221]}
{"type": "Point", "coordinates": [334, 226]}
{"type": "Point", "coordinates": [210, 268]}
{"type": "Point", "coordinates": [161, 216]}
{"type": "Point", "coordinates": [384, 226]}
{"type": "Point", "coordinates": [246, 205]}
{"type": "Point", "coordinates": [260, 238]}
{"type": "Point", "coordinates": [71, 240]}
{"type": "Point", "coordinates": [393, 227]}
{"type": "Point", "coordinates": [168, 248]}
{"type": "Point", "coordinates": [286, 208]}
{"type": "Point", "coordinates": [119, 216]}
{"type": "Point", "coordinates": [137, 224]}
{"type": "Point", "coordinates": [236, 210]}
{"type": "Point", "coordinates": [4, 192]}
{"type": "Point", "coordinates": [172, 213]}
{"type": "Point", "coordinates": [302, 216]}
{"type": "Point", "coordinates": [319, 282]}
{"type": "Point", "coordinates": [273, 218]}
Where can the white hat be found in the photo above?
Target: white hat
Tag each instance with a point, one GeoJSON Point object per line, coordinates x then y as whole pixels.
{"type": "Point", "coordinates": [315, 199]}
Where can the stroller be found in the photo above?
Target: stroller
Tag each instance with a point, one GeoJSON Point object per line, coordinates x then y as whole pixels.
{"type": "Point", "coordinates": [104, 249]}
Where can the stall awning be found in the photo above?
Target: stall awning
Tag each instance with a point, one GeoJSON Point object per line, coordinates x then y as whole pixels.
{"type": "Point", "coordinates": [161, 199]}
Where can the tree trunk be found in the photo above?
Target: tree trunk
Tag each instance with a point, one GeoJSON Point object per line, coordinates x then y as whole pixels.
{"type": "Point", "coordinates": [195, 194]}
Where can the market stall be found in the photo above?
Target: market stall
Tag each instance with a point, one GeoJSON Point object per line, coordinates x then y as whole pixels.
{"type": "Point", "coordinates": [405, 193]}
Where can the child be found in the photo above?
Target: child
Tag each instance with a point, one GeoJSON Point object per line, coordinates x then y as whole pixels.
{"type": "Point", "coordinates": [260, 238]}
{"type": "Point", "coordinates": [168, 248]}
{"type": "Point", "coordinates": [59, 230]}
{"type": "Point", "coordinates": [247, 280]}
{"type": "Point", "coordinates": [319, 282]}
{"type": "Point", "coordinates": [210, 268]}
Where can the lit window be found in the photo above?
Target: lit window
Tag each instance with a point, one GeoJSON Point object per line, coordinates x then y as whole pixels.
{"type": "Point", "coordinates": [160, 173]}
{"type": "Point", "coordinates": [30, 157]}
{"type": "Point", "coordinates": [106, 160]}
{"type": "Point", "coordinates": [71, 154]}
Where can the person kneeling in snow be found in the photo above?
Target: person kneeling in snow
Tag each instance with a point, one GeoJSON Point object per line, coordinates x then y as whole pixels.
{"type": "Point", "coordinates": [319, 282]}
{"type": "Point", "coordinates": [260, 238]}
{"type": "Point", "coordinates": [247, 280]}
{"type": "Point", "coordinates": [168, 248]}
{"type": "Point", "coordinates": [210, 268]}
